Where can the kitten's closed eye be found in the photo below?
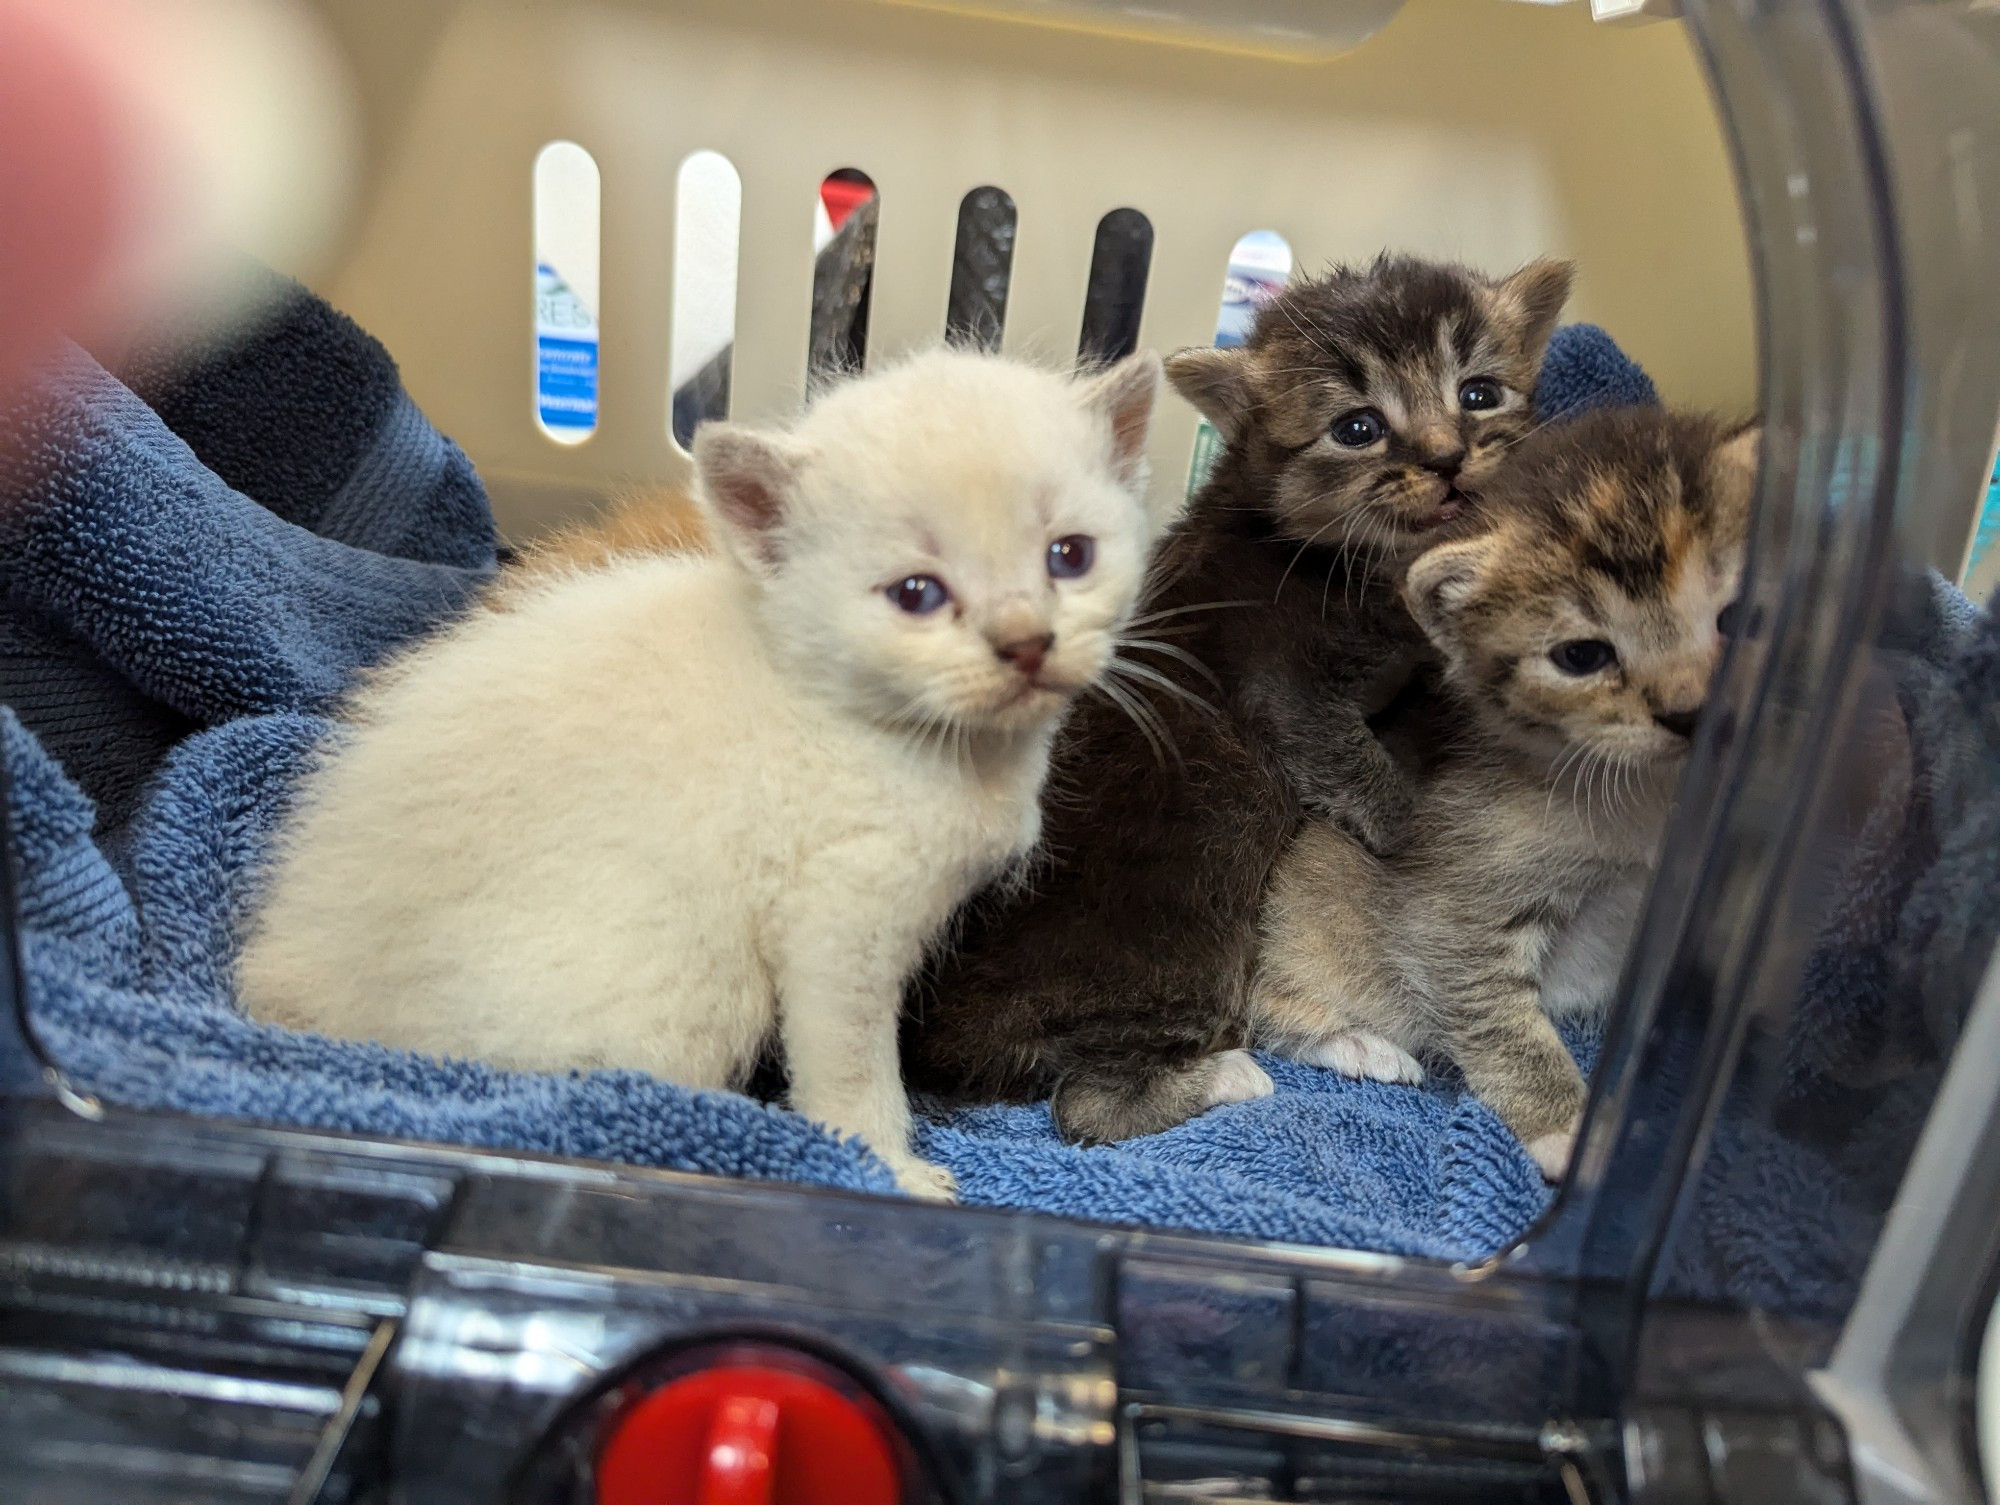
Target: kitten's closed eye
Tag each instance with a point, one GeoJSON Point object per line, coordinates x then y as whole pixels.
{"type": "Point", "coordinates": [1359, 429]}
{"type": "Point", "coordinates": [919, 595]}
{"type": "Point", "coordinates": [1481, 395]}
{"type": "Point", "coordinates": [1072, 556]}
{"type": "Point", "coordinates": [1583, 656]}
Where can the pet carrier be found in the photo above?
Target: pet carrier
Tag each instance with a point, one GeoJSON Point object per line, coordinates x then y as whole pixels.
{"type": "Point", "coordinates": [587, 225]}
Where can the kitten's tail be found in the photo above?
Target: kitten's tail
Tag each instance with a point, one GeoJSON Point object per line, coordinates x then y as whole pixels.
{"type": "Point", "coordinates": [1095, 1106]}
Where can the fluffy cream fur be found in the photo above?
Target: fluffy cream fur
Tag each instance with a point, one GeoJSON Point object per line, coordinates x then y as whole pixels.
{"type": "Point", "coordinates": [656, 811]}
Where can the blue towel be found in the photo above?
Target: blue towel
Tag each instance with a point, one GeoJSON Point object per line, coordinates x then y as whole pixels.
{"type": "Point", "coordinates": [1585, 369]}
{"type": "Point", "coordinates": [196, 603]}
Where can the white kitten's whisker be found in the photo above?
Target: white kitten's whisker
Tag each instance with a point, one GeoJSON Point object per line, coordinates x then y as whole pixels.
{"type": "Point", "coordinates": [1152, 645]}
{"type": "Point", "coordinates": [1155, 678]}
{"type": "Point", "coordinates": [1142, 718]}
{"type": "Point", "coordinates": [1146, 619]}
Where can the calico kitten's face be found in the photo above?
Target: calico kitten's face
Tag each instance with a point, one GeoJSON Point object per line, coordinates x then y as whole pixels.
{"type": "Point", "coordinates": [1372, 407]}
{"type": "Point", "coordinates": [954, 543]}
{"type": "Point", "coordinates": [1590, 616]}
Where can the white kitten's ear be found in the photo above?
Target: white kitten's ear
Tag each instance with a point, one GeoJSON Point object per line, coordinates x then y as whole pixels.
{"type": "Point", "coordinates": [1215, 381]}
{"type": "Point", "coordinates": [1441, 581]}
{"type": "Point", "coordinates": [746, 479]}
{"type": "Point", "coordinates": [1125, 395]}
{"type": "Point", "coordinates": [1532, 299]}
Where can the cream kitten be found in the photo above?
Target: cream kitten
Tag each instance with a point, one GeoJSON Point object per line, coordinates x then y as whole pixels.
{"type": "Point", "coordinates": [655, 811]}
{"type": "Point", "coordinates": [1578, 637]}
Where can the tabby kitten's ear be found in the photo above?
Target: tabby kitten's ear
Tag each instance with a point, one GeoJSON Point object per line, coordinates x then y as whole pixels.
{"type": "Point", "coordinates": [1531, 300]}
{"type": "Point", "coordinates": [746, 479]}
{"type": "Point", "coordinates": [1125, 395]}
{"type": "Point", "coordinates": [1440, 583]}
{"type": "Point", "coordinates": [1216, 382]}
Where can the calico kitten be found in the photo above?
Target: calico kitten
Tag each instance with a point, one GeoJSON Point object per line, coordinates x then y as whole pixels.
{"type": "Point", "coordinates": [653, 812]}
{"type": "Point", "coordinates": [662, 520]}
{"type": "Point", "coordinates": [1578, 638]}
{"type": "Point", "coordinates": [1364, 415]}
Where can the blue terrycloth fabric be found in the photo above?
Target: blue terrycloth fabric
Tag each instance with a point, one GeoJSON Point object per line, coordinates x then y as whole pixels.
{"type": "Point", "coordinates": [179, 612]}
{"type": "Point", "coordinates": [1585, 369]}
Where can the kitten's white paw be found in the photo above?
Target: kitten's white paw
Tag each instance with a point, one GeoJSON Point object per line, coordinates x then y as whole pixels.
{"type": "Point", "coordinates": [921, 1179]}
{"type": "Point", "coordinates": [1237, 1078]}
{"type": "Point", "coordinates": [1551, 1152]}
{"type": "Point", "coordinates": [1357, 1053]}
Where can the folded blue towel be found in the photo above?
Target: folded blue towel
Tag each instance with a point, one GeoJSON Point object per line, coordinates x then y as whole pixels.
{"type": "Point", "coordinates": [204, 629]}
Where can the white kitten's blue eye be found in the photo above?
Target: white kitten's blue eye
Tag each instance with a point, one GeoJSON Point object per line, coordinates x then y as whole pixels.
{"type": "Point", "coordinates": [1583, 656]}
{"type": "Point", "coordinates": [919, 595]}
{"type": "Point", "coordinates": [1072, 556]}
{"type": "Point", "coordinates": [1480, 395]}
{"type": "Point", "coordinates": [1359, 429]}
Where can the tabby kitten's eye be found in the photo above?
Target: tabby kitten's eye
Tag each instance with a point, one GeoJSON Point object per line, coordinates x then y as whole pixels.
{"type": "Point", "coordinates": [1583, 656]}
{"type": "Point", "coordinates": [1729, 621]}
{"type": "Point", "coordinates": [919, 595]}
{"type": "Point", "coordinates": [1480, 395]}
{"type": "Point", "coordinates": [1072, 556]}
{"type": "Point", "coordinates": [1359, 429]}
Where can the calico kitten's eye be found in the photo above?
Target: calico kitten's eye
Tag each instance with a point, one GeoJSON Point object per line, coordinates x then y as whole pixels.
{"type": "Point", "coordinates": [919, 595]}
{"type": "Point", "coordinates": [1480, 395]}
{"type": "Point", "coordinates": [1072, 556]}
{"type": "Point", "coordinates": [1583, 656]}
{"type": "Point", "coordinates": [1729, 621]}
{"type": "Point", "coordinates": [1359, 429]}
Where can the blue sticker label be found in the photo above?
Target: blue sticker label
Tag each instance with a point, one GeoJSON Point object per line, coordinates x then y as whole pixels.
{"type": "Point", "coordinates": [565, 354]}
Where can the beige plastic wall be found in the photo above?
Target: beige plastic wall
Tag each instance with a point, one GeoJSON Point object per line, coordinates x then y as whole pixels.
{"type": "Point", "coordinates": [1481, 129]}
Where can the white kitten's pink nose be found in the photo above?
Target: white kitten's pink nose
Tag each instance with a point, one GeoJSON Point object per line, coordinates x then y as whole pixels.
{"type": "Point", "coordinates": [1026, 653]}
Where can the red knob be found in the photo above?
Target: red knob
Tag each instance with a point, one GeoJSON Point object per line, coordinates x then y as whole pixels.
{"type": "Point", "coordinates": [747, 1434]}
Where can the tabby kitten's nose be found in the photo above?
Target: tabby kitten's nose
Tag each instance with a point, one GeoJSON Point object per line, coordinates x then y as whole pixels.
{"type": "Point", "coordinates": [1680, 723]}
{"type": "Point", "coordinates": [1447, 464]}
{"type": "Point", "coordinates": [1026, 654]}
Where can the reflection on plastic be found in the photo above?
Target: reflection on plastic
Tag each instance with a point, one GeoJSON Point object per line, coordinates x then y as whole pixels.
{"type": "Point", "coordinates": [708, 230]}
{"type": "Point", "coordinates": [982, 269]}
{"type": "Point", "coordinates": [1121, 258]}
{"type": "Point", "coordinates": [567, 192]}
{"type": "Point", "coordinates": [845, 216]}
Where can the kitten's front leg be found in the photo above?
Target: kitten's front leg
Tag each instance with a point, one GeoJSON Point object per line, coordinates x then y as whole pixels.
{"type": "Point", "coordinates": [844, 958]}
{"type": "Point", "coordinates": [1338, 768]}
{"type": "Point", "coordinates": [1514, 1060]}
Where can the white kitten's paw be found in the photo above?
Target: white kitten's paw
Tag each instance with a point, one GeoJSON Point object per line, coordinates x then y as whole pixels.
{"type": "Point", "coordinates": [921, 1179]}
{"type": "Point", "coordinates": [1551, 1152]}
{"type": "Point", "coordinates": [1237, 1078]}
{"type": "Point", "coordinates": [1357, 1053]}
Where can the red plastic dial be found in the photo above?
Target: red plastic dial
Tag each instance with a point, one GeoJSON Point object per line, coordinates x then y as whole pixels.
{"type": "Point", "coordinates": [747, 1434]}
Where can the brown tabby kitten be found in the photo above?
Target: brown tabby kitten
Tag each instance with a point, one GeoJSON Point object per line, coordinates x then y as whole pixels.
{"type": "Point", "coordinates": [1364, 415]}
{"type": "Point", "coordinates": [1578, 637]}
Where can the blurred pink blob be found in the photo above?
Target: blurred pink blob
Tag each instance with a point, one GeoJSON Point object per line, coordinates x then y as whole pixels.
{"type": "Point", "coordinates": [61, 175]}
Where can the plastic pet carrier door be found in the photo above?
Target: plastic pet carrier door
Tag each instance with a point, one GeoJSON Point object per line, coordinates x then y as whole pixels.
{"type": "Point", "coordinates": [584, 229]}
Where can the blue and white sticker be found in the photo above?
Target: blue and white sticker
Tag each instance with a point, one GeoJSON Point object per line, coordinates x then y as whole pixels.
{"type": "Point", "coordinates": [565, 357]}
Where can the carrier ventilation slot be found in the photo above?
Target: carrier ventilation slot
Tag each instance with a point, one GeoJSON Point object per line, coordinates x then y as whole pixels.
{"type": "Point", "coordinates": [567, 195]}
{"type": "Point", "coordinates": [1115, 297]}
{"type": "Point", "coordinates": [845, 217]}
{"type": "Point", "coordinates": [982, 269]}
{"type": "Point", "coordinates": [708, 233]}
